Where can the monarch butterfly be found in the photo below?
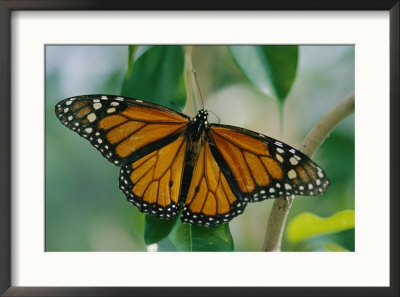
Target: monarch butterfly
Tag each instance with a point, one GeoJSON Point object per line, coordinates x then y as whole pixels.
{"type": "Point", "coordinates": [169, 161]}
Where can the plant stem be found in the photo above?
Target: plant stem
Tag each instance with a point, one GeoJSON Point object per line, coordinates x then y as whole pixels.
{"type": "Point", "coordinates": [316, 136]}
{"type": "Point", "coordinates": [189, 82]}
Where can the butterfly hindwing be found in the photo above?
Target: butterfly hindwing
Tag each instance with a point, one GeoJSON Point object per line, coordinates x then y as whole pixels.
{"type": "Point", "coordinates": [121, 128]}
{"type": "Point", "coordinates": [262, 167]}
{"type": "Point", "coordinates": [153, 182]}
{"type": "Point", "coordinates": [210, 200]}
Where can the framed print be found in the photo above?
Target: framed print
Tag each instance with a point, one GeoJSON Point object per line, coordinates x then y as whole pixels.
{"type": "Point", "coordinates": [201, 115]}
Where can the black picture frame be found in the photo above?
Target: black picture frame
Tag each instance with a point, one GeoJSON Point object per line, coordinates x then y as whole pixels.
{"type": "Point", "coordinates": [6, 7]}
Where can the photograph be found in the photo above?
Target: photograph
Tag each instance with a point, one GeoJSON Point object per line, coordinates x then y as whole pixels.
{"type": "Point", "coordinates": [199, 148]}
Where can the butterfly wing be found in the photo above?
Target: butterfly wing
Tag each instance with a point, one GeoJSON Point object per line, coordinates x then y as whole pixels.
{"type": "Point", "coordinates": [122, 129]}
{"type": "Point", "coordinates": [258, 167]}
{"type": "Point", "coordinates": [146, 139]}
{"type": "Point", "coordinates": [153, 183]}
{"type": "Point", "coordinates": [209, 200]}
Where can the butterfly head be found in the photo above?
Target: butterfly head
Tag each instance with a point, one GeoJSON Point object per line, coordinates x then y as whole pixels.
{"type": "Point", "coordinates": [201, 118]}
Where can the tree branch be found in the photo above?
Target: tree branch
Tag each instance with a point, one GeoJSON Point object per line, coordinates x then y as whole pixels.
{"type": "Point", "coordinates": [317, 135]}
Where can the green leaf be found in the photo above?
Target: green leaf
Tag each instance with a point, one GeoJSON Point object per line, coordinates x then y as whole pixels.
{"type": "Point", "coordinates": [333, 247]}
{"type": "Point", "coordinates": [320, 247]}
{"type": "Point", "coordinates": [131, 55]}
{"type": "Point", "coordinates": [197, 238]}
{"type": "Point", "coordinates": [270, 68]}
{"type": "Point", "coordinates": [141, 50]}
{"type": "Point", "coordinates": [307, 225]}
{"type": "Point", "coordinates": [165, 245]}
{"type": "Point", "coordinates": [340, 241]}
{"type": "Point", "coordinates": [155, 74]}
{"type": "Point", "coordinates": [156, 229]}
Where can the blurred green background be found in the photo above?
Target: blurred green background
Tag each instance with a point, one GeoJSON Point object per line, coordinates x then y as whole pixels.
{"type": "Point", "coordinates": [85, 211]}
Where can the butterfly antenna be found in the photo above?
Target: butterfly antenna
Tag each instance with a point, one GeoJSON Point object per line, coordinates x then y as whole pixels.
{"type": "Point", "coordinates": [198, 86]}
{"type": "Point", "coordinates": [219, 119]}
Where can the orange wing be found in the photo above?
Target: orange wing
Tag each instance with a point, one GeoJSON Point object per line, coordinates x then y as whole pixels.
{"type": "Point", "coordinates": [210, 200]}
{"type": "Point", "coordinates": [258, 167]}
{"type": "Point", "coordinates": [153, 183]}
{"type": "Point", "coordinates": [122, 129]}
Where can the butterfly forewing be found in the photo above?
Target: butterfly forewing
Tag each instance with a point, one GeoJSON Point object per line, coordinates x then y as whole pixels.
{"type": "Point", "coordinates": [122, 129]}
{"type": "Point", "coordinates": [260, 167]}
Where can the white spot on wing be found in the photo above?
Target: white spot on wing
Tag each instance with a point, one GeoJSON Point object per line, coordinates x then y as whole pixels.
{"type": "Point", "coordinates": [279, 150]}
{"type": "Point", "coordinates": [97, 105]}
{"type": "Point", "coordinates": [292, 174]}
{"type": "Point", "coordinates": [91, 117]}
{"type": "Point", "coordinates": [293, 161]}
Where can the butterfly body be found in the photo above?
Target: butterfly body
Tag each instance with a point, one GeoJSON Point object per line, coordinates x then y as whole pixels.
{"type": "Point", "coordinates": [171, 162]}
